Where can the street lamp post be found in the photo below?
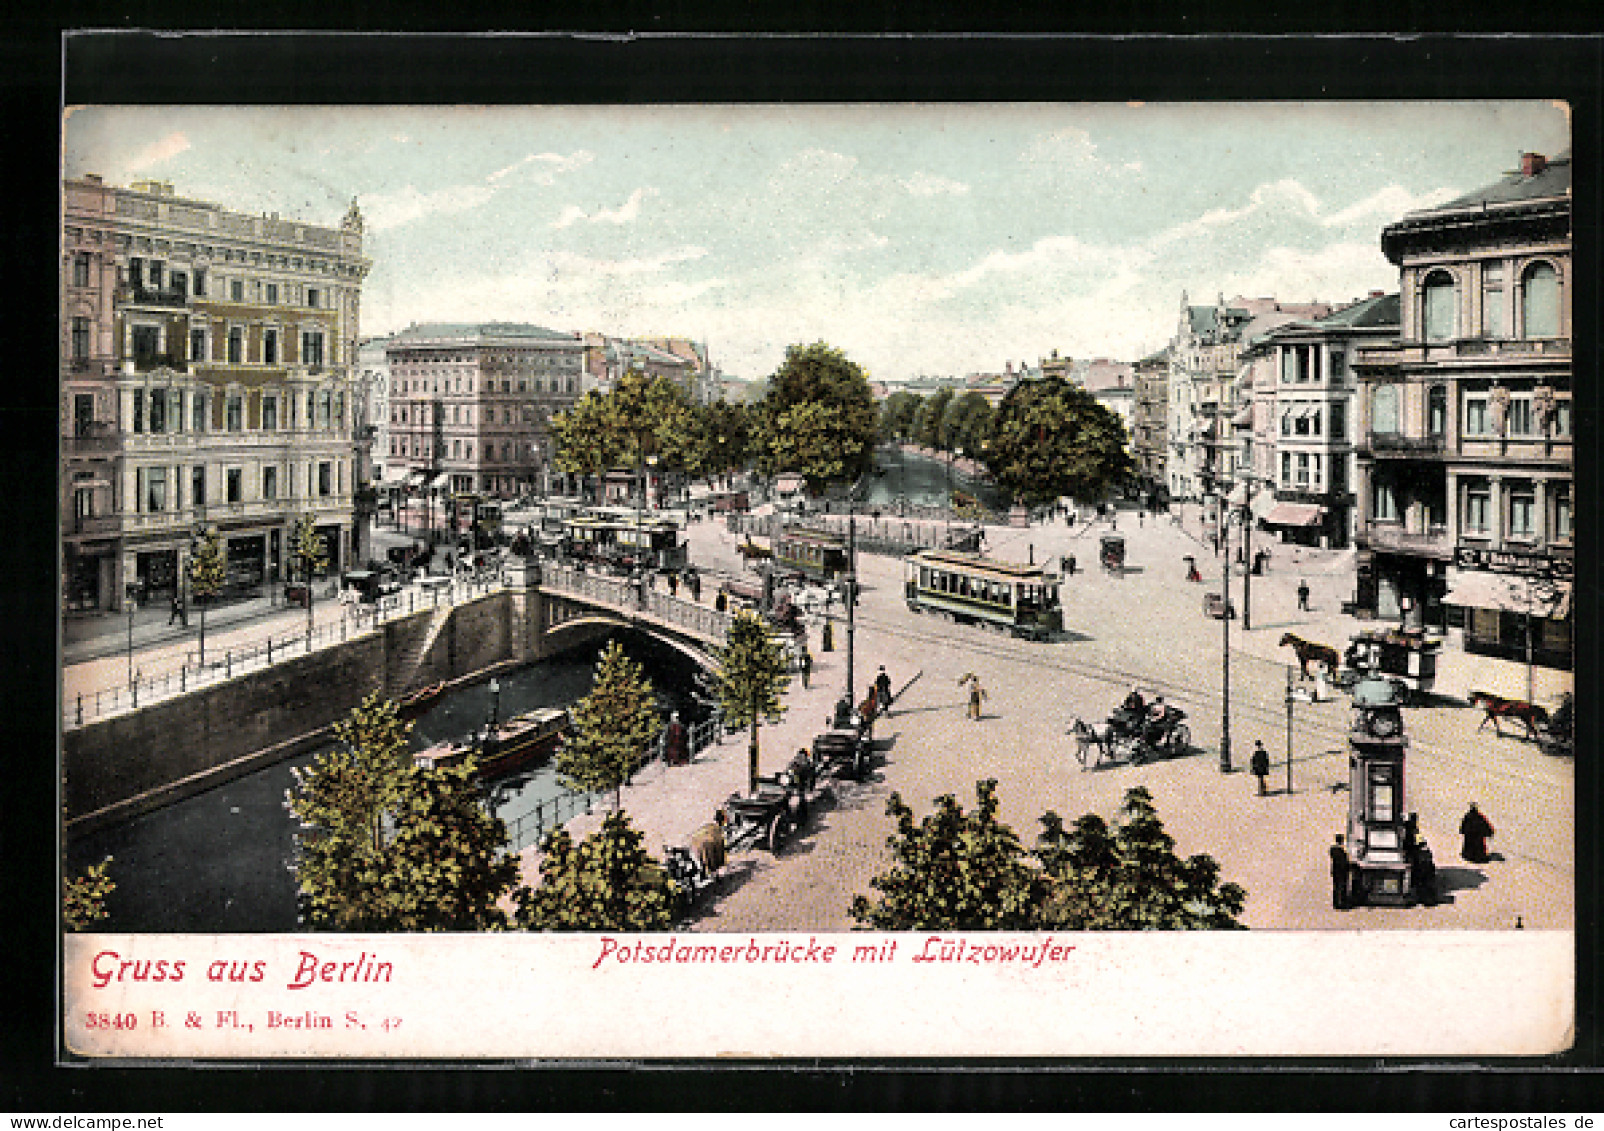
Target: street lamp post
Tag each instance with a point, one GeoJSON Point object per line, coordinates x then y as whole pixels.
{"type": "Point", "coordinates": [1247, 558]}
{"type": "Point", "coordinates": [1225, 649]}
{"type": "Point", "coordinates": [130, 602]}
{"type": "Point", "coordinates": [495, 703]}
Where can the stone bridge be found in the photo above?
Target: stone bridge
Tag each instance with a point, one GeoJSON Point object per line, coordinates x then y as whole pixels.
{"type": "Point", "coordinates": [574, 600]}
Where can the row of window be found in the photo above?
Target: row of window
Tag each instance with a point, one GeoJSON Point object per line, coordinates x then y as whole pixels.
{"type": "Point", "coordinates": [460, 414]}
{"type": "Point", "coordinates": [537, 384]}
{"type": "Point", "coordinates": [1539, 304]}
{"type": "Point", "coordinates": [151, 492]}
{"type": "Point", "coordinates": [1308, 420]}
{"type": "Point", "coordinates": [162, 410]}
{"type": "Point", "coordinates": [1300, 365]}
{"type": "Point", "coordinates": [1476, 511]}
{"type": "Point", "coordinates": [150, 274]}
{"type": "Point", "coordinates": [1486, 413]}
{"type": "Point", "coordinates": [1305, 471]}
{"type": "Point", "coordinates": [418, 447]}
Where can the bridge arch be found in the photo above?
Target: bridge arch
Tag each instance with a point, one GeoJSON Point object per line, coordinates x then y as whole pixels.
{"type": "Point", "coordinates": [570, 631]}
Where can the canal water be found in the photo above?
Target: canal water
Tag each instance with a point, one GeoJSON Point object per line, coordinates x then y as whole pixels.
{"type": "Point", "coordinates": [220, 861]}
{"type": "Point", "coordinates": [922, 481]}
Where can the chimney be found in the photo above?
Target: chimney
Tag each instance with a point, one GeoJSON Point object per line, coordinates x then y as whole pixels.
{"type": "Point", "coordinates": [1532, 163]}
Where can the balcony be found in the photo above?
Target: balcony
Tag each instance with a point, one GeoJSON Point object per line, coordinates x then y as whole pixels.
{"type": "Point", "coordinates": [1391, 536]}
{"type": "Point", "coordinates": [144, 362]}
{"type": "Point", "coordinates": [171, 297]}
{"type": "Point", "coordinates": [1540, 347]}
{"type": "Point", "coordinates": [97, 438]}
{"type": "Point", "coordinates": [93, 526]}
{"type": "Point", "coordinates": [1391, 445]}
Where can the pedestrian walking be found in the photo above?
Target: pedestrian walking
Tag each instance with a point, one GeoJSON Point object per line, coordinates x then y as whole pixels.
{"type": "Point", "coordinates": [1191, 569]}
{"type": "Point", "coordinates": [721, 603]}
{"type": "Point", "coordinates": [1339, 875]}
{"type": "Point", "coordinates": [977, 694]}
{"type": "Point", "coordinates": [882, 687]}
{"type": "Point", "coordinates": [178, 609]}
{"type": "Point", "coordinates": [1303, 596]}
{"type": "Point", "coordinates": [694, 581]}
{"type": "Point", "coordinates": [673, 585]}
{"type": "Point", "coordinates": [1141, 518]}
{"type": "Point", "coordinates": [1476, 829]}
{"type": "Point", "coordinates": [1260, 765]}
{"type": "Point", "coordinates": [674, 752]}
{"type": "Point", "coordinates": [1069, 564]}
{"type": "Point", "coordinates": [807, 668]}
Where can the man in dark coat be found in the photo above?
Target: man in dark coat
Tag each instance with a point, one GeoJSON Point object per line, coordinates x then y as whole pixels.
{"type": "Point", "coordinates": [674, 742]}
{"type": "Point", "coordinates": [882, 687]}
{"type": "Point", "coordinates": [1339, 875]}
{"type": "Point", "coordinates": [1475, 828]}
{"type": "Point", "coordinates": [1260, 765]}
{"type": "Point", "coordinates": [807, 668]}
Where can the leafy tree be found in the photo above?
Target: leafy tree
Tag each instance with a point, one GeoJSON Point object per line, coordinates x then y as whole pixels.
{"type": "Point", "coordinates": [896, 415]}
{"type": "Point", "coordinates": [344, 801]}
{"type": "Point", "coordinates": [1129, 879]}
{"type": "Point", "coordinates": [955, 871]}
{"type": "Point", "coordinates": [818, 418]}
{"type": "Point", "coordinates": [640, 416]}
{"type": "Point", "coordinates": [612, 727]}
{"type": "Point", "coordinates": [207, 571]}
{"type": "Point", "coordinates": [967, 423]}
{"type": "Point", "coordinates": [389, 846]}
{"type": "Point", "coordinates": [722, 434]}
{"type": "Point", "coordinates": [308, 549]}
{"type": "Point", "coordinates": [1051, 438]}
{"type": "Point", "coordinates": [750, 679]}
{"type": "Point", "coordinates": [605, 883]}
{"type": "Point", "coordinates": [927, 422]}
{"type": "Point", "coordinates": [84, 897]}
{"type": "Point", "coordinates": [447, 866]}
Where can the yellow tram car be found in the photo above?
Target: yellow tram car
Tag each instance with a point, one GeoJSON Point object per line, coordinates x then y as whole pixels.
{"type": "Point", "coordinates": [1022, 599]}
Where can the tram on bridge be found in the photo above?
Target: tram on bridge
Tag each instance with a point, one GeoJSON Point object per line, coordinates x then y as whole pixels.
{"type": "Point", "coordinates": [619, 536]}
{"type": "Point", "coordinates": [1018, 598]}
{"type": "Point", "coordinates": [814, 553]}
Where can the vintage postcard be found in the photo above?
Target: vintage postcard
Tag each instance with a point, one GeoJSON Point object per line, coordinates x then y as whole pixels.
{"type": "Point", "coordinates": [837, 581]}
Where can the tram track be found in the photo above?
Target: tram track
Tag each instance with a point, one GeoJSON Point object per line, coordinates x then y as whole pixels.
{"type": "Point", "coordinates": [983, 642]}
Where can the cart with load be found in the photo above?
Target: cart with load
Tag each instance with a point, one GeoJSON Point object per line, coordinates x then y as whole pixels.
{"type": "Point", "coordinates": [1403, 657]}
{"type": "Point", "coordinates": [1111, 553]}
{"type": "Point", "coordinates": [774, 810]}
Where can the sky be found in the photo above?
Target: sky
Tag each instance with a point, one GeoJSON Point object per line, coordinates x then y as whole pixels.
{"type": "Point", "coordinates": [919, 239]}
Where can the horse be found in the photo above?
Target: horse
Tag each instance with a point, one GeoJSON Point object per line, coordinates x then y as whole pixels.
{"type": "Point", "coordinates": [1308, 650]}
{"type": "Point", "coordinates": [1088, 736]}
{"type": "Point", "coordinates": [1497, 707]}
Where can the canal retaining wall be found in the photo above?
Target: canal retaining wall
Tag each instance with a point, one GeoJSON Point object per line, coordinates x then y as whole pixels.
{"type": "Point", "coordinates": [129, 763]}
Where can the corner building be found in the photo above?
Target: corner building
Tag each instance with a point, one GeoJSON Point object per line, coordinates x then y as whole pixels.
{"type": "Point", "coordinates": [205, 383]}
{"type": "Point", "coordinates": [1465, 472]}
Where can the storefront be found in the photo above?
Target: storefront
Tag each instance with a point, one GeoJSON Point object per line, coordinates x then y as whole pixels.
{"type": "Point", "coordinates": [247, 562]}
{"type": "Point", "coordinates": [1506, 595]}
{"type": "Point", "coordinates": [88, 571]}
{"type": "Point", "coordinates": [157, 573]}
{"type": "Point", "coordinates": [1299, 524]}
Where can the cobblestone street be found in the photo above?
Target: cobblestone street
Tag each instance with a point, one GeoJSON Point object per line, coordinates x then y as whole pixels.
{"type": "Point", "coordinates": [1144, 627]}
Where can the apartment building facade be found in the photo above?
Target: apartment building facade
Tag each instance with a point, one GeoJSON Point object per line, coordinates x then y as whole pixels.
{"type": "Point", "coordinates": [470, 406]}
{"type": "Point", "coordinates": [1149, 416]}
{"type": "Point", "coordinates": [206, 384]}
{"type": "Point", "coordinates": [1466, 470]}
{"type": "Point", "coordinates": [1307, 443]}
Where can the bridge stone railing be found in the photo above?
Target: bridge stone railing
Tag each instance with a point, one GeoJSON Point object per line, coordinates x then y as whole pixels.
{"type": "Point", "coordinates": [624, 595]}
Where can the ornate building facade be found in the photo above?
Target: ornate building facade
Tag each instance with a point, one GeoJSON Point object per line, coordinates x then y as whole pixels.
{"type": "Point", "coordinates": [206, 384]}
{"type": "Point", "coordinates": [1465, 476]}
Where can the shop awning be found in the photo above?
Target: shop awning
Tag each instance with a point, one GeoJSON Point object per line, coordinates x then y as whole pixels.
{"type": "Point", "coordinates": [1511, 593]}
{"type": "Point", "coordinates": [394, 477]}
{"type": "Point", "coordinates": [1263, 503]}
{"type": "Point", "coordinates": [1294, 514]}
{"type": "Point", "coordinates": [1238, 496]}
{"type": "Point", "coordinates": [440, 480]}
{"type": "Point", "coordinates": [1243, 418]}
{"type": "Point", "coordinates": [788, 484]}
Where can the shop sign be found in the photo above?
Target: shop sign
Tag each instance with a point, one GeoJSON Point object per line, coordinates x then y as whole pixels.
{"type": "Point", "coordinates": [1513, 561]}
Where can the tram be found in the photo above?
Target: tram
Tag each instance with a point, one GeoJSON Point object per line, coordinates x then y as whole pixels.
{"type": "Point", "coordinates": [818, 554]}
{"type": "Point", "coordinates": [618, 535]}
{"type": "Point", "coordinates": [1021, 599]}
{"type": "Point", "coordinates": [477, 517]}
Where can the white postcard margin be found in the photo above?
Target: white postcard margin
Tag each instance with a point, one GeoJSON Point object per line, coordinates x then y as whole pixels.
{"type": "Point", "coordinates": [851, 995]}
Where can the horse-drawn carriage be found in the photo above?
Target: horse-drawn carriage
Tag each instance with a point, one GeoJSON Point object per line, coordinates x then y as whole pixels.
{"type": "Point", "coordinates": [1404, 658]}
{"type": "Point", "coordinates": [775, 809]}
{"type": "Point", "coordinates": [1553, 731]}
{"type": "Point", "coordinates": [1137, 731]}
{"type": "Point", "coordinates": [847, 747]}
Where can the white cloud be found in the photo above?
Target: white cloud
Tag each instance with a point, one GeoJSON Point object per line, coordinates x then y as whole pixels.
{"type": "Point", "coordinates": [544, 168]}
{"type": "Point", "coordinates": [928, 184]}
{"type": "Point", "coordinates": [163, 149]}
{"type": "Point", "coordinates": [624, 214]}
{"type": "Point", "coordinates": [392, 209]}
{"type": "Point", "coordinates": [1388, 204]}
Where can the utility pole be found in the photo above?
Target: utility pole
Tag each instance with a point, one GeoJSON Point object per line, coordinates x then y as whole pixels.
{"type": "Point", "coordinates": [1225, 645]}
{"type": "Point", "coordinates": [852, 583]}
{"type": "Point", "coordinates": [1289, 730]}
{"type": "Point", "coordinates": [1247, 567]}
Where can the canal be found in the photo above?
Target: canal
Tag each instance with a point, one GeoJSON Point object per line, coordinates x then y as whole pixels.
{"type": "Point", "coordinates": [922, 481]}
{"type": "Point", "coordinates": [220, 861]}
